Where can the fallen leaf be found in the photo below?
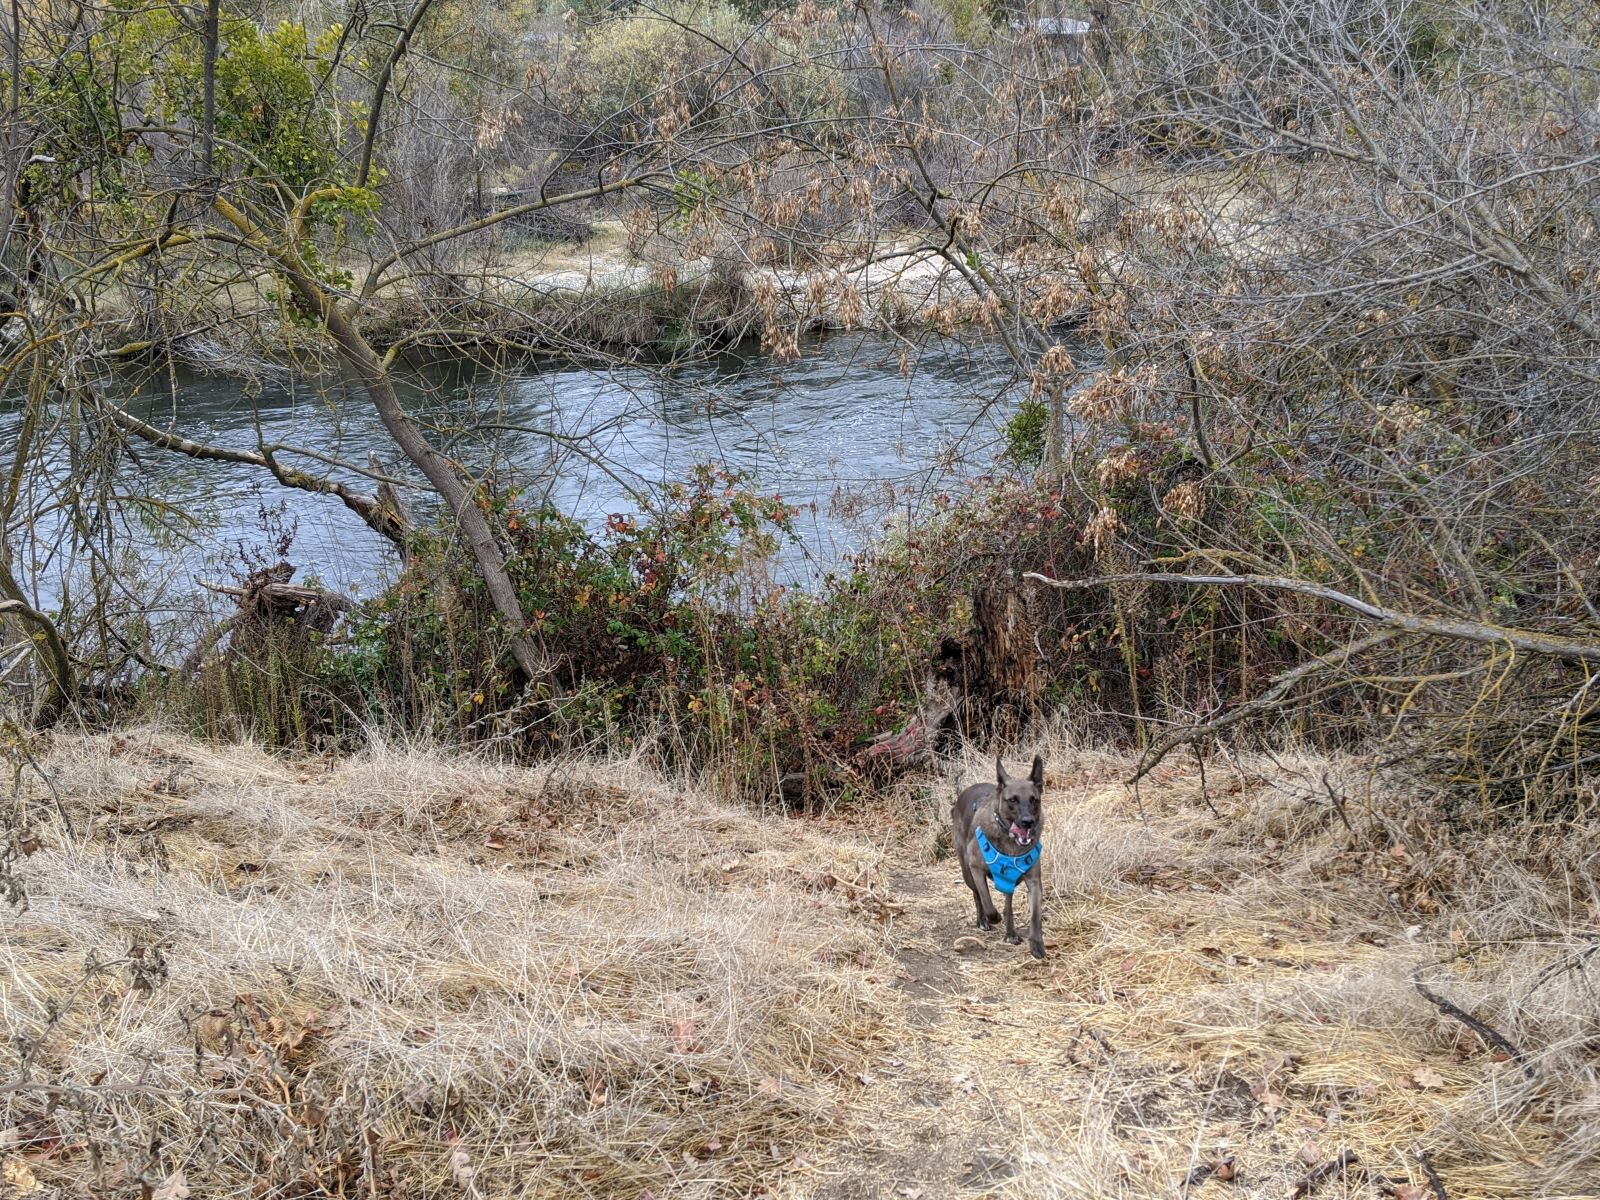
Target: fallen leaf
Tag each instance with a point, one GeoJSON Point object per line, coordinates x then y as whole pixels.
{"type": "Point", "coordinates": [1310, 1154]}
{"type": "Point", "coordinates": [1426, 1078]}
{"type": "Point", "coordinates": [19, 1181]}
{"type": "Point", "coordinates": [172, 1188]}
{"type": "Point", "coordinates": [1224, 1169]}
{"type": "Point", "coordinates": [1263, 1094]}
{"type": "Point", "coordinates": [462, 1172]}
{"type": "Point", "coordinates": [683, 1039]}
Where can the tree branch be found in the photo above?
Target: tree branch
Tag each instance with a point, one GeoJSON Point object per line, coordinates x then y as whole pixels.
{"type": "Point", "coordinates": [1528, 640]}
{"type": "Point", "coordinates": [377, 517]}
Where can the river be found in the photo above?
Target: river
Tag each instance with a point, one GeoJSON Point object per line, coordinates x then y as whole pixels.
{"type": "Point", "coordinates": [848, 432]}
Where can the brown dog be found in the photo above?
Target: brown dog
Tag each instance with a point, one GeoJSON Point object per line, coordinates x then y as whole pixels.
{"type": "Point", "coordinates": [997, 831]}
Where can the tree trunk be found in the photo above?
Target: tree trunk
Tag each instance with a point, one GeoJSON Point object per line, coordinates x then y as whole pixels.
{"type": "Point", "coordinates": [440, 471]}
{"type": "Point", "coordinates": [209, 117]}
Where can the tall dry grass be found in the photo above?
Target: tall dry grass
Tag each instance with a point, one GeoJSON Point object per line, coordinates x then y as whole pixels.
{"type": "Point", "coordinates": [407, 974]}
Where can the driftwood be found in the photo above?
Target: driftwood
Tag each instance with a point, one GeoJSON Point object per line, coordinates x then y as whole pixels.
{"type": "Point", "coordinates": [268, 600]}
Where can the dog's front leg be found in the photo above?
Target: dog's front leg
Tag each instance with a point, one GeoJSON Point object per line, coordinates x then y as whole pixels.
{"type": "Point", "coordinates": [1036, 922]}
{"type": "Point", "coordinates": [1011, 929]}
{"type": "Point", "coordinates": [977, 898]}
{"type": "Point", "coordinates": [988, 916]}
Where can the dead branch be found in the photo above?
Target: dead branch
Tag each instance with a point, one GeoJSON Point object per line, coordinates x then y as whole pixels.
{"type": "Point", "coordinates": [1529, 640]}
{"type": "Point", "coordinates": [1486, 1032]}
{"type": "Point", "coordinates": [386, 520]}
{"type": "Point", "coordinates": [1279, 688]}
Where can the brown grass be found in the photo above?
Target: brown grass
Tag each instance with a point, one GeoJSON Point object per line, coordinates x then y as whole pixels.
{"type": "Point", "coordinates": [1231, 975]}
{"type": "Point", "coordinates": [415, 974]}
{"type": "Point", "coordinates": [407, 974]}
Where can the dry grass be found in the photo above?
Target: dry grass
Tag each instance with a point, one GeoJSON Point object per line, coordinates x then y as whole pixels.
{"type": "Point", "coordinates": [1231, 975]}
{"type": "Point", "coordinates": [411, 975]}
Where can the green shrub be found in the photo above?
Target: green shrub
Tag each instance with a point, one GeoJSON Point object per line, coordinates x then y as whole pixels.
{"type": "Point", "coordinates": [1025, 432]}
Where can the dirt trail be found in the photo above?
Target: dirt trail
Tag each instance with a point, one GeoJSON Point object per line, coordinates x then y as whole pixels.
{"type": "Point", "coordinates": [1000, 1085]}
{"type": "Point", "coordinates": [974, 1098]}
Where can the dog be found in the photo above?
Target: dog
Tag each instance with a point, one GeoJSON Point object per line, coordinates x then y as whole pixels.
{"type": "Point", "coordinates": [997, 829]}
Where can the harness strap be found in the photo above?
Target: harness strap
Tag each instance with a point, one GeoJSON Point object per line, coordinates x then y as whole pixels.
{"type": "Point", "coordinates": [1005, 870]}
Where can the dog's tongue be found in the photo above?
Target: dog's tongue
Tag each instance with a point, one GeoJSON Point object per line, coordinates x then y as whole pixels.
{"type": "Point", "coordinates": [1022, 835]}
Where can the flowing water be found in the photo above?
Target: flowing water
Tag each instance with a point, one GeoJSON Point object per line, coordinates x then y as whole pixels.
{"type": "Point", "coordinates": [850, 432]}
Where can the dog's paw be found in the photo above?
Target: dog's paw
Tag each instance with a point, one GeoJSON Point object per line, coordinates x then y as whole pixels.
{"type": "Point", "coordinates": [1036, 949]}
{"type": "Point", "coordinates": [989, 925]}
{"type": "Point", "coordinates": [1013, 940]}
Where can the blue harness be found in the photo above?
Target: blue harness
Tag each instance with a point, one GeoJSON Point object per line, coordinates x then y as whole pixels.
{"type": "Point", "coordinates": [1006, 870]}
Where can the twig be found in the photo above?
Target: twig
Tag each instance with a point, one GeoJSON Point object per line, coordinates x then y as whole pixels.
{"type": "Point", "coordinates": [1338, 804]}
{"type": "Point", "coordinates": [1317, 1176]}
{"type": "Point", "coordinates": [1205, 792]}
{"type": "Point", "coordinates": [1572, 962]}
{"type": "Point", "coordinates": [1484, 1031]}
{"type": "Point", "coordinates": [1424, 1157]}
{"type": "Point", "coordinates": [1280, 687]}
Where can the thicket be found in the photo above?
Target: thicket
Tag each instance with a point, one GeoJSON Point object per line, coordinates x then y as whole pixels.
{"type": "Point", "coordinates": [1297, 291]}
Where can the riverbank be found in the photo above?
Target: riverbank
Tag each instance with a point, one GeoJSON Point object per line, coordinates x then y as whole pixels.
{"type": "Point", "coordinates": [606, 298]}
{"type": "Point", "coordinates": [412, 972]}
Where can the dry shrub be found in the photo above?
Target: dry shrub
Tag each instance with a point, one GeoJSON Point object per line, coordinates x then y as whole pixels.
{"type": "Point", "coordinates": [407, 975]}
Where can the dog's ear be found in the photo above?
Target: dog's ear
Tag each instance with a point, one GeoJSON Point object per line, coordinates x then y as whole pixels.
{"type": "Point", "coordinates": [1000, 771]}
{"type": "Point", "coordinates": [1037, 774]}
